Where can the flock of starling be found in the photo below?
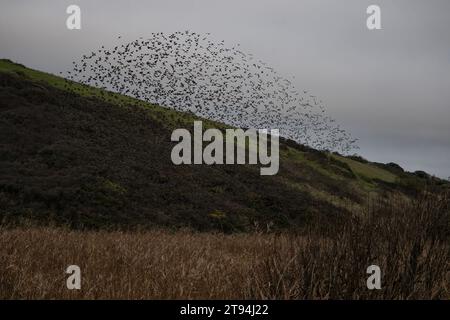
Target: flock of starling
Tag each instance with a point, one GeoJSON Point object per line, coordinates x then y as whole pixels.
{"type": "Point", "coordinates": [189, 72]}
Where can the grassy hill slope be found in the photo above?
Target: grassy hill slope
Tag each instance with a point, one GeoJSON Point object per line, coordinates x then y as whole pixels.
{"type": "Point", "coordinates": [81, 156]}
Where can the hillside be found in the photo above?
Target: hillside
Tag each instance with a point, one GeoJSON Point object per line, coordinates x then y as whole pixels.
{"type": "Point", "coordinates": [83, 157]}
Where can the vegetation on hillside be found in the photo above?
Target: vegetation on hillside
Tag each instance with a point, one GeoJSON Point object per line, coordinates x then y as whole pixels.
{"type": "Point", "coordinates": [83, 157]}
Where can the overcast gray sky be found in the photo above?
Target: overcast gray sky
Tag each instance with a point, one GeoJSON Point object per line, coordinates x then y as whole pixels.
{"type": "Point", "coordinates": [390, 88]}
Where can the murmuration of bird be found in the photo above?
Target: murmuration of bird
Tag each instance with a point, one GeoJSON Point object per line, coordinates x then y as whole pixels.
{"type": "Point", "coordinates": [190, 72]}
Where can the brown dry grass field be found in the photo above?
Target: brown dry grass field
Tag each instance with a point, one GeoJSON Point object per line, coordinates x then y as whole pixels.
{"type": "Point", "coordinates": [410, 245]}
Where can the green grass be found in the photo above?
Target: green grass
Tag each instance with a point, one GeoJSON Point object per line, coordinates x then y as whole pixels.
{"type": "Point", "coordinates": [168, 117]}
{"type": "Point", "coordinates": [367, 171]}
{"type": "Point", "coordinates": [301, 158]}
{"type": "Point", "coordinates": [9, 66]}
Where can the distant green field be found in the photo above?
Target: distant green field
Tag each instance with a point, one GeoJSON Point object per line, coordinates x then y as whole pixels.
{"type": "Point", "coordinates": [368, 171]}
